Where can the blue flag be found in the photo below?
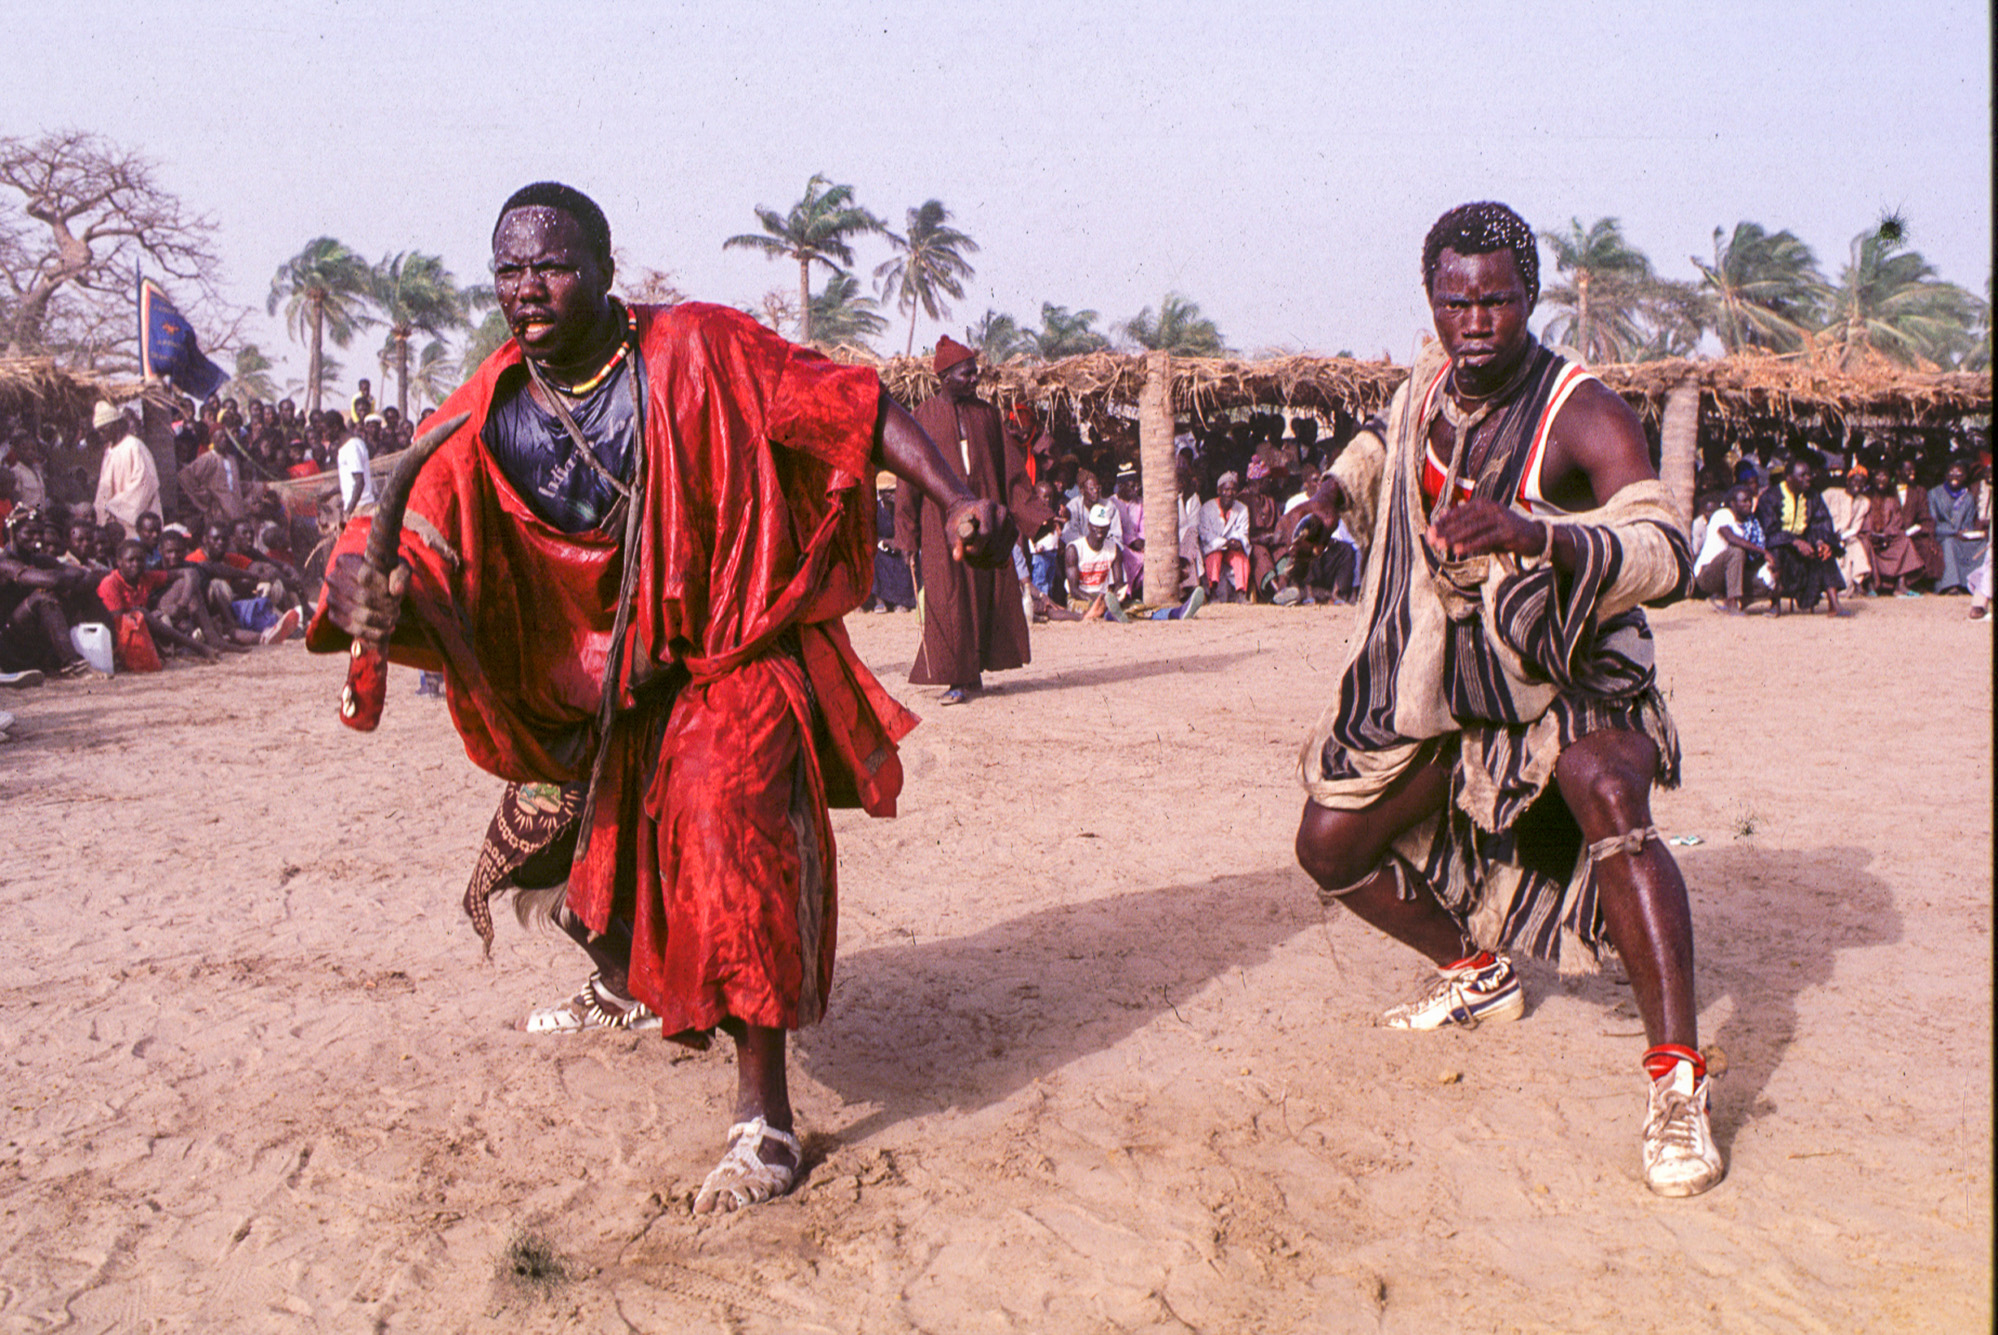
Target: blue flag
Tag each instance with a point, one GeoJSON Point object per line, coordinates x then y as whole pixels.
{"type": "Point", "coordinates": [167, 347]}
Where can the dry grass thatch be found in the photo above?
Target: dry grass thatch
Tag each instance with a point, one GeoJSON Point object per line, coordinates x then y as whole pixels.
{"type": "Point", "coordinates": [37, 387]}
{"type": "Point", "coordinates": [1739, 388]}
{"type": "Point", "coordinates": [1102, 384]}
{"type": "Point", "coordinates": [45, 392]}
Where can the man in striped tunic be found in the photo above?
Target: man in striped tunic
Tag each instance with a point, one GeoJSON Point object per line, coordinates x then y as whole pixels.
{"type": "Point", "coordinates": [1482, 781]}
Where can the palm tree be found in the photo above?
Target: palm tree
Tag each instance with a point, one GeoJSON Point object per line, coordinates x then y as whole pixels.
{"type": "Point", "coordinates": [928, 265]}
{"type": "Point", "coordinates": [311, 390]}
{"type": "Point", "coordinates": [1671, 318]}
{"type": "Point", "coordinates": [1978, 358]}
{"type": "Point", "coordinates": [435, 374]}
{"type": "Point", "coordinates": [1606, 279]}
{"type": "Point", "coordinates": [998, 338]}
{"type": "Point", "coordinates": [815, 231]}
{"type": "Point", "coordinates": [489, 334]}
{"type": "Point", "coordinates": [843, 313]}
{"type": "Point", "coordinates": [323, 289]}
{"type": "Point", "coordinates": [485, 338]}
{"type": "Point", "coordinates": [1179, 328]}
{"type": "Point", "coordinates": [253, 373]}
{"type": "Point", "coordinates": [1766, 289]}
{"type": "Point", "coordinates": [1890, 303]}
{"type": "Point", "coordinates": [416, 295]}
{"type": "Point", "coordinates": [1063, 334]}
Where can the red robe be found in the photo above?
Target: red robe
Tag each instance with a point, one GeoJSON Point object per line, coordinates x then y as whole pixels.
{"type": "Point", "coordinates": [710, 829]}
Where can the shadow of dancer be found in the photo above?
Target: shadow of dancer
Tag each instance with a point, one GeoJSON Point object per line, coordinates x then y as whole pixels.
{"type": "Point", "coordinates": [964, 1022]}
{"type": "Point", "coordinates": [1111, 674]}
{"type": "Point", "coordinates": [1768, 925]}
{"type": "Point", "coordinates": [1770, 928]}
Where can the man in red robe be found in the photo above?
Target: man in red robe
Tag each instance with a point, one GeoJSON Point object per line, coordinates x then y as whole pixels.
{"type": "Point", "coordinates": [973, 620]}
{"type": "Point", "coordinates": [630, 565]}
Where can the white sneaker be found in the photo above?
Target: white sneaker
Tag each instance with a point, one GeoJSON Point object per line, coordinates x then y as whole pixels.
{"type": "Point", "coordinates": [1680, 1157]}
{"type": "Point", "coordinates": [1483, 988]}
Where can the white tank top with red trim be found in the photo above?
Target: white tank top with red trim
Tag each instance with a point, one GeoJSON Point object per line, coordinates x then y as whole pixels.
{"type": "Point", "coordinates": [1531, 498]}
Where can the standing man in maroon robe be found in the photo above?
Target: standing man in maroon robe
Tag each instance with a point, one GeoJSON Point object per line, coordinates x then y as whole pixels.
{"type": "Point", "coordinates": [630, 562]}
{"type": "Point", "coordinates": [973, 622]}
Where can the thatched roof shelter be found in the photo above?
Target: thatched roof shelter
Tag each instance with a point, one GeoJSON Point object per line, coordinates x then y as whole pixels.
{"type": "Point", "coordinates": [1741, 389]}
{"type": "Point", "coordinates": [36, 389]}
{"type": "Point", "coordinates": [1107, 384]}
{"type": "Point", "coordinates": [1736, 390]}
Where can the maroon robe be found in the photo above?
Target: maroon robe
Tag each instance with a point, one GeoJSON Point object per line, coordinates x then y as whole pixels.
{"type": "Point", "coordinates": [972, 619]}
{"type": "Point", "coordinates": [1915, 512]}
{"type": "Point", "coordinates": [1885, 532]}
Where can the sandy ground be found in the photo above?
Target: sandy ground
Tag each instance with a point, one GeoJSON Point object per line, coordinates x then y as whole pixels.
{"type": "Point", "coordinates": [1096, 1059]}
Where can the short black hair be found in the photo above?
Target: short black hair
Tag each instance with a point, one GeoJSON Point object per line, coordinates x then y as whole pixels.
{"type": "Point", "coordinates": [1480, 229]}
{"type": "Point", "coordinates": [564, 199]}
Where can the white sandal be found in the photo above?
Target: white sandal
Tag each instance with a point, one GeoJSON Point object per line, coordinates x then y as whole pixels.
{"type": "Point", "coordinates": [595, 1007]}
{"type": "Point", "coordinates": [743, 1175]}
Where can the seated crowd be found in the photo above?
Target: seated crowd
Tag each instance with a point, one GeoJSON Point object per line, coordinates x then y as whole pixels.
{"type": "Point", "coordinates": [214, 565]}
{"type": "Point", "coordinates": [1786, 534]}
{"type": "Point", "coordinates": [1792, 535]}
{"type": "Point", "coordinates": [1241, 529]}
{"type": "Point", "coordinates": [228, 569]}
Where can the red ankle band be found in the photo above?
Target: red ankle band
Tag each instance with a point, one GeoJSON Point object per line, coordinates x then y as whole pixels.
{"type": "Point", "coordinates": [1484, 959]}
{"type": "Point", "coordinates": [1660, 1060]}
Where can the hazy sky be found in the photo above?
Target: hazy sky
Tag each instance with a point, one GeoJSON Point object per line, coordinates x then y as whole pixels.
{"type": "Point", "coordinates": [1278, 163]}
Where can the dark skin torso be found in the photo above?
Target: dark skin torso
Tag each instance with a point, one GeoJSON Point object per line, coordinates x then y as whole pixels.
{"type": "Point", "coordinates": [1596, 449]}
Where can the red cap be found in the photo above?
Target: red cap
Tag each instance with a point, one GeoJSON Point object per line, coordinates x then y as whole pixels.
{"type": "Point", "coordinates": [950, 352]}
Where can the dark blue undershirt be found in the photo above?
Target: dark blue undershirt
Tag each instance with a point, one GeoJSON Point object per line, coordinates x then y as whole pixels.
{"type": "Point", "coordinates": [535, 453]}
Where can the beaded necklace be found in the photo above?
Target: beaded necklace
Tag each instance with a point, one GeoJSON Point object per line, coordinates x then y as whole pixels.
{"type": "Point", "coordinates": [624, 346]}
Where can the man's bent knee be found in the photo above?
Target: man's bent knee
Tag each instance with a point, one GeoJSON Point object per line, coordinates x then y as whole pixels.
{"type": "Point", "coordinates": [33, 607]}
{"type": "Point", "coordinates": [1330, 855]}
{"type": "Point", "coordinates": [1608, 794]}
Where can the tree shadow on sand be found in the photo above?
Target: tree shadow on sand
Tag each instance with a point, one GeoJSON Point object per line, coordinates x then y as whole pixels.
{"type": "Point", "coordinates": [1767, 928]}
{"type": "Point", "coordinates": [965, 1022]}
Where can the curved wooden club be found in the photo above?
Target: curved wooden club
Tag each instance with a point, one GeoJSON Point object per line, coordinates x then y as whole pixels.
{"type": "Point", "coordinates": [362, 698]}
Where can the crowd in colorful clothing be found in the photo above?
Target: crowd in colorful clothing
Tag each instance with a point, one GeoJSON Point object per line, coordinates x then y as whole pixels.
{"type": "Point", "coordinates": [1792, 533]}
{"type": "Point", "coordinates": [1795, 533]}
{"type": "Point", "coordinates": [1238, 521]}
{"type": "Point", "coordinates": [120, 553]}
{"type": "Point", "coordinates": [217, 564]}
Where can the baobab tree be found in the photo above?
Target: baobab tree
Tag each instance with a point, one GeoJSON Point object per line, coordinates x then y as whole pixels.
{"type": "Point", "coordinates": [86, 212]}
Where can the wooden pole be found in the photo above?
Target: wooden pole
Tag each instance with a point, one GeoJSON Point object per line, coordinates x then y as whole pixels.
{"type": "Point", "coordinates": [1157, 475]}
{"type": "Point", "coordinates": [1679, 445]}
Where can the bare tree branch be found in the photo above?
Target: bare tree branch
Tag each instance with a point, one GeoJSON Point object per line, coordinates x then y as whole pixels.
{"type": "Point", "coordinates": [100, 208]}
